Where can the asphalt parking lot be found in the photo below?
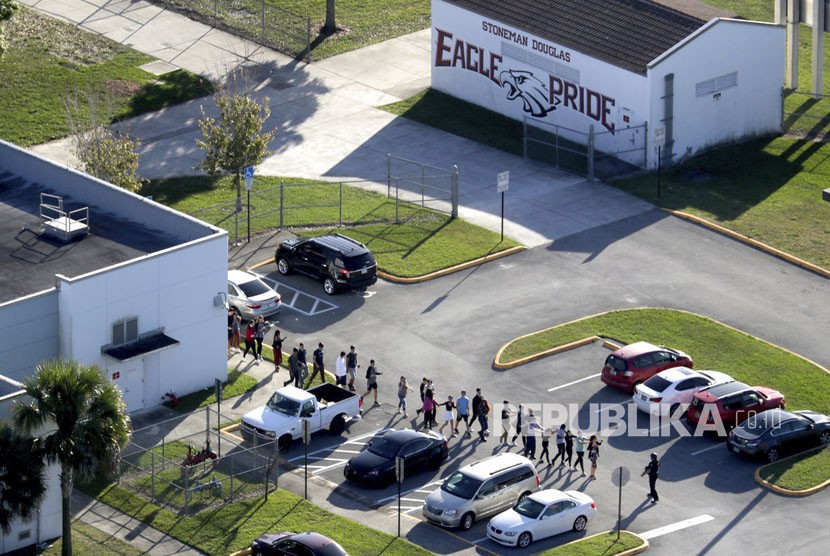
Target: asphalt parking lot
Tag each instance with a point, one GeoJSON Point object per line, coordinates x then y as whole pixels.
{"type": "Point", "coordinates": [450, 328]}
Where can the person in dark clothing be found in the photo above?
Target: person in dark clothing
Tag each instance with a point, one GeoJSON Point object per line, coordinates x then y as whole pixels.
{"type": "Point", "coordinates": [653, 469]}
{"type": "Point", "coordinates": [519, 424]}
{"type": "Point", "coordinates": [422, 388]}
{"type": "Point", "coordinates": [560, 446]}
{"type": "Point", "coordinates": [351, 367]}
{"type": "Point", "coordinates": [483, 412]}
{"type": "Point", "coordinates": [569, 447]}
{"type": "Point", "coordinates": [474, 405]}
{"type": "Point", "coordinates": [318, 364]}
{"type": "Point", "coordinates": [302, 363]}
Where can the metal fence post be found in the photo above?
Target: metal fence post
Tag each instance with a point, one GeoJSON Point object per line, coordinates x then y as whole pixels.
{"type": "Point", "coordinates": [397, 220]}
{"type": "Point", "coordinates": [152, 476]}
{"type": "Point", "coordinates": [591, 152]}
{"type": "Point", "coordinates": [282, 202]}
{"type": "Point", "coordinates": [454, 194]}
{"type": "Point", "coordinates": [341, 203]}
{"type": "Point", "coordinates": [388, 175]}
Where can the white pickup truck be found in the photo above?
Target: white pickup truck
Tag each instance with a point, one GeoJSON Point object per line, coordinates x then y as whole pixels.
{"type": "Point", "coordinates": [325, 407]}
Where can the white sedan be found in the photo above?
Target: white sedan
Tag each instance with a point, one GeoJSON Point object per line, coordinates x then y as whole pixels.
{"type": "Point", "coordinates": [673, 388]}
{"type": "Point", "coordinates": [250, 297]}
{"type": "Point", "coordinates": [541, 515]}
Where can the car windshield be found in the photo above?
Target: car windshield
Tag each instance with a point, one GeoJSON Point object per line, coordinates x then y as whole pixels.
{"type": "Point", "coordinates": [657, 383]}
{"type": "Point", "coordinates": [385, 447]}
{"type": "Point", "coordinates": [459, 484]}
{"type": "Point", "coordinates": [615, 363]}
{"type": "Point", "coordinates": [529, 508]}
{"type": "Point", "coordinates": [280, 403]}
{"type": "Point", "coordinates": [254, 288]}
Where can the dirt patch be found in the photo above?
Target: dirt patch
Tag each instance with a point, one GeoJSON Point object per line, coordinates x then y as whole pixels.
{"type": "Point", "coordinates": [122, 87]}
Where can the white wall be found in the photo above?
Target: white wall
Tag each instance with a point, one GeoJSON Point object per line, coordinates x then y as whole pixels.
{"type": "Point", "coordinates": [752, 49]}
{"type": "Point", "coordinates": [172, 289]}
{"type": "Point", "coordinates": [478, 71]}
{"type": "Point", "coordinates": [28, 333]}
{"type": "Point", "coordinates": [45, 523]}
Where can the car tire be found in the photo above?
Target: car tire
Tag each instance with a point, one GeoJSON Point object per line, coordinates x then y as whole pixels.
{"type": "Point", "coordinates": [523, 495]}
{"type": "Point", "coordinates": [338, 425]}
{"type": "Point", "coordinates": [673, 408]}
{"type": "Point", "coordinates": [283, 267]}
{"type": "Point", "coordinates": [329, 286]}
{"type": "Point", "coordinates": [772, 455]}
{"type": "Point", "coordinates": [284, 443]}
{"type": "Point", "coordinates": [524, 540]}
{"type": "Point", "coordinates": [824, 438]}
{"type": "Point", "coordinates": [467, 521]}
{"type": "Point", "coordinates": [580, 523]}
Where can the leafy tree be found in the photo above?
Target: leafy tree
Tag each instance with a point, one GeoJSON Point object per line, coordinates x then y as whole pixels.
{"type": "Point", "coordinates": [7, 9]}
{"type": "Point", "coordinates": [22, 483]}
{"type": "Point", "coordinates": [236, 139]}
{"type": "Point", "coordinates": [331, 25]}
{"type": "Point", "coordinates": [86, 427]}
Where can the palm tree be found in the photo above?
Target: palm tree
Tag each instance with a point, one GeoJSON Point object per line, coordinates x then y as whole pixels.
{"type": "Point", "coordinates": [80, 424]}
{"type": "Point", "coordinates": [22, 484]}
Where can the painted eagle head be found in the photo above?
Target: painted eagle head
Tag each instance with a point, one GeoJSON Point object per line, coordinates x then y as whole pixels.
{"type": "Point", "coordinates": [527, 87]}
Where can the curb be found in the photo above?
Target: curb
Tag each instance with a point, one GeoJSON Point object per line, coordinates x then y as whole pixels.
{"type": "Point", "coordinates": [785, 491]}
{"type": "Point", "coordinates": [749, 241]}
{"type": "Point", "coordinates": [541, 354]}
{"type": "Point", "coordinates": [452, 269]}
{"type": "Point", "coordinates": [630, 552]}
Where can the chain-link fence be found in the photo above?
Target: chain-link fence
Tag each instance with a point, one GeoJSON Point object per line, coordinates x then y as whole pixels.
{"type": "Point", "coordinates": [806, 115]}
{"type": "Point", "coordinates": [410, 189]}
{"type": "Point", "coordinates": [257, 20]}
{"type": "Point", "coordinates": [188, 472]}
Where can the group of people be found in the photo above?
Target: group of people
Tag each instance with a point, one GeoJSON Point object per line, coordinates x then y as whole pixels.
{"type": "Point", "coordinates": [458, 413]}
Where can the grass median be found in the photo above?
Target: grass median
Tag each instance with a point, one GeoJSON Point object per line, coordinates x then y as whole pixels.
{"type": "Point", "coordinates": [220, 531]}
{"type": "Point", "coordinates": [605, 544]}
{"type": "Point", "coordinates": [423, 240]}
{"type": "Point", "coordinates": [800, 472]}
{"type": "Point", "coordinates": [48, 59]}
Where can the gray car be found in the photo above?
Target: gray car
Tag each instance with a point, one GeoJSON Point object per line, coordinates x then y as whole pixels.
{"type": "Point", "coordinates": [250, 297]}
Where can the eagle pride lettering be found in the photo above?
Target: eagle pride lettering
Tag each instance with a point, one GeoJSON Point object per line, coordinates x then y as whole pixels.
{"type": "Point", "coordinates": [585, 101]}
{"type": "Point", "coordinates": [468, 56]}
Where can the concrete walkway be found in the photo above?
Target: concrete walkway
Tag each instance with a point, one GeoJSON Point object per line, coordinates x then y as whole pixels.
{"type": "Point", "coordinates": [328, 123]}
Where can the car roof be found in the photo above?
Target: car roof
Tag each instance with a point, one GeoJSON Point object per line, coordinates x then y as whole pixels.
{"type": "Point", "coordinates": [405, 435]}
{"type": "Point", "coordinates": [550, 495]}
{"type": "Point", "coordinates": [485, 468]}
{"type": "Point", "coordinates": [346, 245]}
{"type": "Point", "coordinates": [635, 349]}
{"type": "Point", "coordinates": [677, 373]}
{"type": "Point", "coordinates": [721, 390]}
{"type": "Point", "coordinates": [240, 276]}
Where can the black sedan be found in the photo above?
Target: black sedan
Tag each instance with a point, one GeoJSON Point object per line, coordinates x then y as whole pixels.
{"type": "Point", "coordinates": [305, 544]}
{"type": "Point", "coordinates": [375, 466]}
{"type": "Point", "coordinates": [774, 432]}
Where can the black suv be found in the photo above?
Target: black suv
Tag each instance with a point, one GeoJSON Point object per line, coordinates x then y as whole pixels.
{"type": "Point", "coordinates": [336, 260]}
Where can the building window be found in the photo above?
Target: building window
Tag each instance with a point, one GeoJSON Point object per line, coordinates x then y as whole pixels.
{"type": "Point", "coordinates": [716, 84]}
{"type": "Point", "coordinates": [125, 331]}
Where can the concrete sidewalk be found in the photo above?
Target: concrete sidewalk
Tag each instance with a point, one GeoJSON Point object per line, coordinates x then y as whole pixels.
{"type": "Point", "coordinates": [329, 126]}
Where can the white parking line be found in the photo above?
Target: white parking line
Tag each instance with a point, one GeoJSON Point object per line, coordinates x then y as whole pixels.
{"type": "Point", "coordinates": [319, 305]}
{"type": "Point", "coordinates": [574, 382]}
{"type": "Point", "coordinates": [342, 451]}
{"type": "Point", "coordinates": [340, 463]}
{"type": "Point", "coordinates": [479, 541]}
{"type": "Point", "coordinates": [410, 491]}
{"type": "Point", "coordinates": [707, 449]}
{"type": "Point", "coordinates": [665, 530]}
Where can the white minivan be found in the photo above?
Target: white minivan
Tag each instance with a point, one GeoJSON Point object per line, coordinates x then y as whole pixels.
{"type": "Point", "coordinates": [481, 489]}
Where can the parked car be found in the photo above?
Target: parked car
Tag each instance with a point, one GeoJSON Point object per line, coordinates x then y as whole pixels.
{"type": "Point", "coordinates": [776, 432]}
{"type": "Point", "coordinates": [732, 403]}
{"type": "Point", "coordinates": [375, 466]}
{"type": "Point", "coordinates": [339, 262]}
{"type": "Point", "coordinates": [541, 515]}
{"type": "Point", "coordinates": [635, 363]}
{"type": "Point", "coordinates": [481, 489]}
{"type": "Point", "coordinates": [670, 389]}
{"type": "Point", "coordinates": [250, 297]}
{"type": "Point", "coordinates": [297, 544]}
{"type": "Point", "coordinates": [325, 406]}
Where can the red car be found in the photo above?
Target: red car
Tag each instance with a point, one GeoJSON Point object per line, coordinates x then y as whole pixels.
{"type": "Point", "coordinates": [733, 402]}
{"type": "Point", "coordinates": [635, 363]}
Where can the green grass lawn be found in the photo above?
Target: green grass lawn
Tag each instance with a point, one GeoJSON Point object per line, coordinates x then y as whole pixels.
{"type": "Point", "coordinates": [711, 345]}
{"type": "Point", "coordinates": [801, 472]}
{"type": "Point", "coordinates": [424, 241]}
{"type": "Point", "coordinates": [86, 539]}
{"type": "Point", "coordinates": [238, 383]}
{"type": "Point", "coordinates": [605, 544]}
{"type": "Point", "coordinates": [48, 59]}
{"type": "Point", "coordinates": [220, 531]}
